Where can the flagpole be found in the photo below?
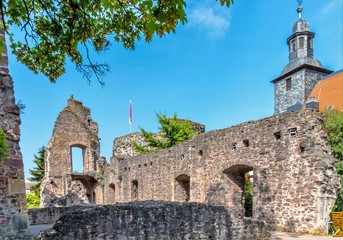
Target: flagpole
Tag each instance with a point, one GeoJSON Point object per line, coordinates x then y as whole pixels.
{"type": "Point", "coordinates": [130, 116]}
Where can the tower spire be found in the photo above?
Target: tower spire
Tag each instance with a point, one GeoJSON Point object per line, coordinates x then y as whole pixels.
{"type": "Point", "coordinates": [300, 8]}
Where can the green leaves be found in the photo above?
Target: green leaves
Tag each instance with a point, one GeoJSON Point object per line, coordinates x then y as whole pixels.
{"type": "Point", "coordinates": [227, 2]}
{"type": "Point", "coordinates": [53, 31]}
{"type": "Point", "coordinates": [172, 131]}
{"type": "Point", "coordinates": [37, 173]}
{"type": "Point", "coordinates": [248, 196]}
{"type": "Point", "coordinates": [4, 149]}
{"type": "Point", "coordinates": [333, 122]}
{"type": "Point", "coordinates": [334, 125]}
{"type": "Point", "coordinates": [32, 200]}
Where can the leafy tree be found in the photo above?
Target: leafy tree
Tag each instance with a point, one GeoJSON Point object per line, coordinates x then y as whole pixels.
{"type": "Point", "coordinates": [37, 173]}
{"type": "Point", "coordinates": [248, 196]}
{"type": "Point", "coordinates": [333, 123]}
{"type": "Point", "coordinates": [54, 30]}
{"type": "Point", "coordinates": [172, 132]}
{"type": "Point", "coordinates": [32, 200]}
{"type": "Point", "coordinates": [4, 149]}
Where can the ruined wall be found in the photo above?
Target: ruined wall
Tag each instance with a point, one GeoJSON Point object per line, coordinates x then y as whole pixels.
{"type": "Point", "coordinates": [295, 183]}
{"type": "Point", "coordinates": [13, 211]}
{"type": "Point", "coordinates": [150, 220]}
{"type": "Point", "coordinates": [73, 128]}
{"type": "Point", "coordinates": [49, 215]}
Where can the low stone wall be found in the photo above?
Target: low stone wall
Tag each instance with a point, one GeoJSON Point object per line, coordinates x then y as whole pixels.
{"type": "Point", "coordinates": [49, 215]}
{"type": "Point", "coordinates": [150, 220]}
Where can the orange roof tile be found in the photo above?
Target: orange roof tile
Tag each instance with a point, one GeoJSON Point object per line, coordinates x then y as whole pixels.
{"type": "Point", "coordinates": [329, 92]}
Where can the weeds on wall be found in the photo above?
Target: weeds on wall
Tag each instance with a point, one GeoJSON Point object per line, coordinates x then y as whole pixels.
{"type": "Point", "coordinates": [4, 149]}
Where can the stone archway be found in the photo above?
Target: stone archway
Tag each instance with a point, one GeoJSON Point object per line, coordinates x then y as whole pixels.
{"type": "Point", "coordinates": [235, 176]}
{"type": "Point", "coordinates": [112, 193]}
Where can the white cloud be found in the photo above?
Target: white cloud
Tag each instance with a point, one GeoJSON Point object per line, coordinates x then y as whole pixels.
{"type": "Point", "coordinates": [330, 7]}
{"type": "Point", "coordinates": [213, 22]}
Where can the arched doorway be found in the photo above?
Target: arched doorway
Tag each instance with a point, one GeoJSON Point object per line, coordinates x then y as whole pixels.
{"type": "Point", "coordinates": [182, 188]}
{"type": "Point", "coordinates": [112, 193]}
{"type": "Point", "coordinates": [240, 189]}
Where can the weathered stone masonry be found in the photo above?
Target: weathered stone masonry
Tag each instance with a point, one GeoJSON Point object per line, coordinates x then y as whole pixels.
{"type": "Point", "coordinates": [148, 220]}
{"type": "Point", "coordinates": [295, 183]}
{"type": "Point", "coordinates": [73, 128]}
{"type": "Point", "coordinates": [13, 210]}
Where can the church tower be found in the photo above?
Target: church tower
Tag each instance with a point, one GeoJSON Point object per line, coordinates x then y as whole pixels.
{"type": "Point", "coordinates": [303, 71]}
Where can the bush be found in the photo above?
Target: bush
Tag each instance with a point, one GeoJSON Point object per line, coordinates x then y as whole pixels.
{"type": "Point", "coordinates": [333, 123]}
{"type": "Point", "coordinates": [32, 200]}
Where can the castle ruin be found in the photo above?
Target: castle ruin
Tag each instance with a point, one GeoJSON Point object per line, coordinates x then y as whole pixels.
{"type": "Point", "coordinates": [285, 150]}
{"type": "Point", "coordinates": [294, 179]}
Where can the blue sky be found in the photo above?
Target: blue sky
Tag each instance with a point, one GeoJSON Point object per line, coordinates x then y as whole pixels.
{"type": "Point", "coordinates": [216, 70]}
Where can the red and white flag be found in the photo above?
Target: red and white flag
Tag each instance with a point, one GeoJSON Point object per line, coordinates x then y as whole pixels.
{"type": "Point", "coordinates": [130, 116]}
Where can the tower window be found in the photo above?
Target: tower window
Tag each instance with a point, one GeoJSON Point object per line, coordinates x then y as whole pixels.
{"type": "Point", "coordinates": [292, 46]}
{"type": "Point", "coordinates": [309, 42]}
{"type": "Point", "coordinates": [288, 84]}
{"type": "Point", "coordinates": [301, 42]}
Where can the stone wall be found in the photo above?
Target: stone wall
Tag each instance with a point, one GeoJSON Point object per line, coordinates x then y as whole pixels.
{"type": "Point", "coordinates": [13, 211]}
{"type": "Point", "coordinates": [295, 183]}
{"type": "Point", "coordinates": [302, 81]}
{"type": "Point", "coordinates": [73, 128]}
{"type": "Point", "coordinates": [151, 220]}
{"type": "Point", "coordinates": [49, 215]}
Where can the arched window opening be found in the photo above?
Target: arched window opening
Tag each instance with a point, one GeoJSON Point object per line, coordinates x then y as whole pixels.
{"type": "Point", "coordinates": [112, 193]}
{"type": "Point", "coordinates": [301, 42]}
{"type": "Point", "coordinates": [77, 159]}
{"type": "Point", "coordinates": [241, 186]}
{"type": "Point", "coordinates": [309, 42]}
{"type": "Point", "coordinates": [134, 190]}
{"type": "Point", "coordinates": [182, 188]}
{"type": "Point", "coordinates": [293, 46]}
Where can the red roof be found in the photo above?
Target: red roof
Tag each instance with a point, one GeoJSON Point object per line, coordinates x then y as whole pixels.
{"type": "Point", "coordinates": [329, 93]}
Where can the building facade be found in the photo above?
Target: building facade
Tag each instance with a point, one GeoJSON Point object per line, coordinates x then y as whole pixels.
{"type": "Point", "coordinates": [302, 73]}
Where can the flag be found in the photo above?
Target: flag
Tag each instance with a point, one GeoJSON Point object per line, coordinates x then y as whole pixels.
{"type": "Point", "coordinates": [130, 116]}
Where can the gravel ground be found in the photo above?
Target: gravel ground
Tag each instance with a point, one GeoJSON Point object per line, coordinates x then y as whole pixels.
{"type": "Point", "coordinates": [289, 236]}
{"type": "Point", "coordinates": [35, 229]}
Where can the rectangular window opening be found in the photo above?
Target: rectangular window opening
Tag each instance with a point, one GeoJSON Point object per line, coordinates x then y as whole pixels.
{"type": "Point", "coordinates": [246, 143]}
{"type": "Point", "coordinates": [277, 135]}
{"type": "Point", "coordinates": [293, 132]}
{"type": "Point", "coordinates": [288, 84]}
